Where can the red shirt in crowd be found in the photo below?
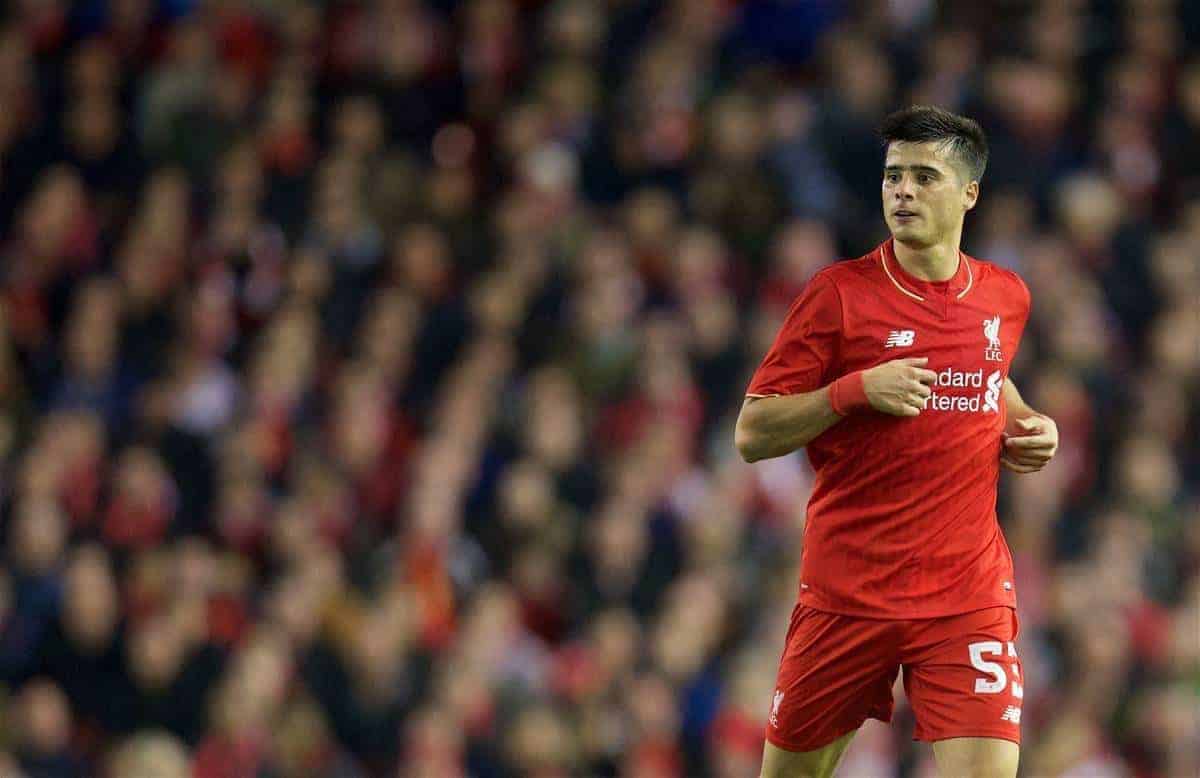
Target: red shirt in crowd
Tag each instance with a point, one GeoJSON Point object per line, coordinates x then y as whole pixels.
{"type": "Point", "coordinates": [902, 518]}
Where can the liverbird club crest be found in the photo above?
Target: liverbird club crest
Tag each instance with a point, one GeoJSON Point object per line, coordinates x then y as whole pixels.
{"type": "Point", "coordinates": [991, 330]}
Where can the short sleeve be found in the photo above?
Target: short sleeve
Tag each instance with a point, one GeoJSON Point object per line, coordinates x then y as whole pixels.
{"type": "Point", "coordinates": [804, 351]}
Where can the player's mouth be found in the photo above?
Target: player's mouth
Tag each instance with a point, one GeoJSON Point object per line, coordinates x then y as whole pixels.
{"type": "Point", "coordinates": [903, 215]}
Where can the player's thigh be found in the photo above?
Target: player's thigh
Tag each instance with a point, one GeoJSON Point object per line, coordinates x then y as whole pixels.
{"type": "Point", "coordinates": [976, 757]}
{"type": "Point", "coordinates": [779, 763]}
{"type": "Point", "coordinates": [963, 677]}
{"type": "Point", "coordinates": [836, 672]}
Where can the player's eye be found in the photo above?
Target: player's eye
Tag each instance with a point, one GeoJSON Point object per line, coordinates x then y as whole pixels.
{"type": "Point", "coordinates": [924, 178]}
{"type": "Point", "coordinates": [892, 178]}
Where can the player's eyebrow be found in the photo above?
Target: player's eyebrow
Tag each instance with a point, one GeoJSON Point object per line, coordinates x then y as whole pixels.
{"type": "Point", "coordinates": [915, 168]}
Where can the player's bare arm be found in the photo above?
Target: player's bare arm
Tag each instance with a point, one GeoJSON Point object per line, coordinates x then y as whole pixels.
{"type": "Point", "coordinates": [1031, 439]}
{"type": "Point", "coordinates": [773, 426]}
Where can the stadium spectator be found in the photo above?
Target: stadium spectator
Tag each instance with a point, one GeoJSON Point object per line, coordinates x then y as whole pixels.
{"type": "Point", "coordinates": [368, 373]}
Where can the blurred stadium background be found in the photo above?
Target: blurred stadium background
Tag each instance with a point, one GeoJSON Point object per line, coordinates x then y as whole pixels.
{"type": "Point", "coordinates": [368, 373]}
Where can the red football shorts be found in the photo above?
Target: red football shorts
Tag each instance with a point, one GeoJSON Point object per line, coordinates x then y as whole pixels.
{"type": "Point", "coordinates": [961, 674]}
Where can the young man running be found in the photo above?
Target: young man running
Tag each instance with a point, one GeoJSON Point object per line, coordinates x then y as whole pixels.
{"type": "Point", "coordinates": [892, 370]}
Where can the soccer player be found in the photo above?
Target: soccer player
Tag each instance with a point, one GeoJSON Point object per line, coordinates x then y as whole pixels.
{"type": "Point", "coordinates": [892, 370]}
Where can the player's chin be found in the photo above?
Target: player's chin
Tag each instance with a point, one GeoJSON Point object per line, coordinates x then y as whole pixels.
{"type": "Point", "coordinates": [906, 233]}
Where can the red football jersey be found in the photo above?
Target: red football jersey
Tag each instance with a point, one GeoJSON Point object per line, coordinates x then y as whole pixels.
{"type": "Point", "coordinates": [902, 518]}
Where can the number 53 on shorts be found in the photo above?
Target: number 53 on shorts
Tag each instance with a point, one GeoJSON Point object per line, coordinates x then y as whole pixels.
{"type": "Point", "coordinates": [998, 680]}
{"type": "Point", "coordinates": [967, 684]}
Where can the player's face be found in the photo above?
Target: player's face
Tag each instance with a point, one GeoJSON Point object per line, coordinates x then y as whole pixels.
{"type": "Point", "coordinates": [924, 194]}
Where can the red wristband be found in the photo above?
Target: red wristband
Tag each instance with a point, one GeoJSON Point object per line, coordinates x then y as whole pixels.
{"type": "Point", "coordinates": [848, 395]}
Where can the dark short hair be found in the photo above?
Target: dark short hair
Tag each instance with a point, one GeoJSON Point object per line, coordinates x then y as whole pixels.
{"type": "Point", "coordinates": [925, 123]}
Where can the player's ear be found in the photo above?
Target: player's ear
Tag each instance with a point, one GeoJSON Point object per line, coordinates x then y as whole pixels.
{"type": "Point", "coordinates": [970, 195]}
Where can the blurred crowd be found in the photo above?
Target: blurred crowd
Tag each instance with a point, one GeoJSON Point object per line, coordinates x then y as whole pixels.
{"type": "Point", "coordinates": [368, 373]}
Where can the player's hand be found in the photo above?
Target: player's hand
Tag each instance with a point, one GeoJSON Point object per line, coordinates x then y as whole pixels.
{"type": "Point", "coordinates": [899, 387]}
{"type": "Point", "coordinates": [1032, 446]}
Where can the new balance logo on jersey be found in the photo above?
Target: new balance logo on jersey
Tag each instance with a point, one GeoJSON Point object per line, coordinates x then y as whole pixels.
{"type": "Point", "coordinates": [899, 338]}
{"type": "Point", "coordinates": [775, 708]}
{"type": "Point", "coordinates": [1011, 713]}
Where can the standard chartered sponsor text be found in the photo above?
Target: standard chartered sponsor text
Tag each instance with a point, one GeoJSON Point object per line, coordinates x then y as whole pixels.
{"type": "Point", "coordinates": [961, 379]}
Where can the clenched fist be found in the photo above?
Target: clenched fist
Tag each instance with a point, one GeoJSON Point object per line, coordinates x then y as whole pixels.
{"type": "Point", "coordinates": [899, 387]}
{"type": "Point", "coordinates": [1029, 444]}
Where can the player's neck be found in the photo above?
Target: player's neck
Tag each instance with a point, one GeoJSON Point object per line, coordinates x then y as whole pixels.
{"type": "Point", "coordinates": [938, 262]}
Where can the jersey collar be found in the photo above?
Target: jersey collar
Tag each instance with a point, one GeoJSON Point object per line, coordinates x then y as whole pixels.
{"type": "Point", "coordinates": [917, 288]}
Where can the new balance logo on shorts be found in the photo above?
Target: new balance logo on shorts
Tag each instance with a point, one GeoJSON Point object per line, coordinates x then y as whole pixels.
{"type": "Point", "coordinates": [899, 338]}
{"type": "Point", "coordinates": [1011, 713]}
